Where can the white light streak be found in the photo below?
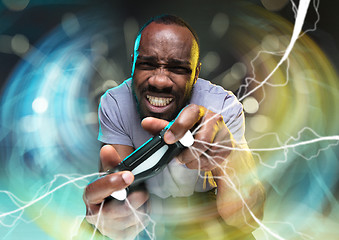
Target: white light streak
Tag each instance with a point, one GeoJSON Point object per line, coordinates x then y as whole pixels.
{"type": "Point", "coordinates": [98, 219]}
{"type": "Point", "coordinates": [28, 204]}
{"type": "Point", "coordinates": [285, 147]}
{"type": "Point", "coordinates": [299, 22]}
{"type": "Point", "coordinates": [135, 213]}
{"type": "Point", "coordinates": [40, 105]}
{"type": "Point", "coordinates": [230, 184]}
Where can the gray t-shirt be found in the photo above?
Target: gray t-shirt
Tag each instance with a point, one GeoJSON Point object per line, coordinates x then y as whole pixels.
{"type": "Point", "coordinates": [120, 124]}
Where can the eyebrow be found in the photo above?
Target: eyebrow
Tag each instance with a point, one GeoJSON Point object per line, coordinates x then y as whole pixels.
{"type": "Point", "coordinates": [146, 58]}
{"type": "Point", "coordinates": [170, 61]}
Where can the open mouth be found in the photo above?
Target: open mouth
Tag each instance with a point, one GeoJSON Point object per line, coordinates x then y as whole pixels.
{"type": "Point", "coordinates": [159, 101]}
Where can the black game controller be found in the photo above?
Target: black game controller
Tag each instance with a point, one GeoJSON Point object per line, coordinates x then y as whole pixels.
{"type": "Point", "coordinates": [150, 159]}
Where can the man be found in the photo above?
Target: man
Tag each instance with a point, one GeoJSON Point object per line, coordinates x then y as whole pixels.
{"type": "Point", "coordinates": [209, 186]}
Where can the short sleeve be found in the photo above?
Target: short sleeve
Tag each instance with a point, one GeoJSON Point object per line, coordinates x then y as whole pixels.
{"type": "Point", "coordinates": [221, 101]}
{"type": "Point", "coordinates": [232, 112]}
{"type": "Point", "coordinates": [111, 123]}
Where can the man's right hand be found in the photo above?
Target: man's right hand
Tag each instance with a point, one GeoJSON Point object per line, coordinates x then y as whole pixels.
{"type": "Point", "coordinates": [116, 219]}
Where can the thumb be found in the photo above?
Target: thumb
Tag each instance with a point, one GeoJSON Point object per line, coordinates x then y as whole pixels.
{"type": "Point", "coordinates": [109, 157]}
{"type": "Point", "coordinates": [153, 125]}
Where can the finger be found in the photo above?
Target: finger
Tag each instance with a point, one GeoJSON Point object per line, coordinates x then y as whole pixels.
{"type": "Point", "coordinates": [92, 218]}
{"type": "Point", "coordinates": [109, 227]}
{"type": "Point", "coordinates": [137, 199]}
{"type": "Point", "coordinates": [109, 157]}
{"type": "Point", "coordinates": [131, 232]}
{"type": "Point", "coordinates": [205, 135]}
{"type": "Point", "coordinates": [134, 202]}
{"type": "Point", "coordinates": [222, 143]}
{"type": "Point", "coordinates": [206, 163]}
{"type": "Point", "coordinates": [103, 187]}
{"type": "Point", "coordinates": [192, 153]}
{"type": "Point", "coordinates": [129, 221]}
{"type": "Point", "coordinates": [119, 223]}
{"type": "Point", "coordinates": [209, 127]}
{"type": "Point", "coordinates": [194, 165]}
{"type": "Point", "coordinates": [202, 163]}
{"type": "Point", "coordinates": [125, 234]}
{"type": "Point", "coordinates": [153, 125]}
{"type": "Point", "coordinates": [206, 153]}
{"type": "Point", "coordinates": [207, 131]}
{"type": "Point", "coordinates": [186, 119]}
{"type": "Point", "coordinates": [218, 151]}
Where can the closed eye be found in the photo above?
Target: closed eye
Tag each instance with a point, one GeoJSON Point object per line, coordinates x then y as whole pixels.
{"type": "Point", "coordinates": [146, 65]}
{"type": "Point", "coordinates": [180, 70]}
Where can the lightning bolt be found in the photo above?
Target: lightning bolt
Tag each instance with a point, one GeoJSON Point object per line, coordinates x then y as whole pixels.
{"type": "Point", "coordinates": [231, 184]}
{"type": "Point", "coordinates": [25, 205]}
{"type": "Point", "coordinates": [299, 21]}
{"type": "Point", "coordinates": [227, 180]}
{"type": "Point", "coordinates": [300, 14]}
{"type": "Point", "coordinates": [303, 235]}
{"type": "Point", "coordinates": [136, 214]}
{"type": "Point", "coordinates": [22, 205]}
{"type": "Point", "coordinates": [285, 146]}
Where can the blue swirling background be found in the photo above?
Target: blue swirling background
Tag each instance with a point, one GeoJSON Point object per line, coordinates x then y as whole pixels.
{"type": "Point", "coordinates": [58, 57]}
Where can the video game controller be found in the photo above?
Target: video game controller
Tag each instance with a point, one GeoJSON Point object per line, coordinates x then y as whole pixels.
{"type": "Point", "coordinates": [150, 159]}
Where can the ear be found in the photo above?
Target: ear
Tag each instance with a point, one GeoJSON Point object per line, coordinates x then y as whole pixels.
{"type": "Point", "coordinates": [197, 71]}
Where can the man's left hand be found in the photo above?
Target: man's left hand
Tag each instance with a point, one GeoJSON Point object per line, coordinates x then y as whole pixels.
{"type": "Point", "coordinates": [213, 140]}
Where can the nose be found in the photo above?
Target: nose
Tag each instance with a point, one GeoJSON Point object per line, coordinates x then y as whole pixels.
{"type": "Point", "coordinates": [161, 81]}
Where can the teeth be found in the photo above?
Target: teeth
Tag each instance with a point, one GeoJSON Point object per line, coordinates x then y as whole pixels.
{"type": "Point", "coordinates": [159, 101]}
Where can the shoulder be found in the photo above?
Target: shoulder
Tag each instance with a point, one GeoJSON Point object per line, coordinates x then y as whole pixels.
{"type": "Point", "coordinates": [213, 96]}
{"type": "Point", "coordinates": [124, 89]}
{"type": "Point", "coordinates": [205, 86]}
{"type": "Point", "coordinates": [118, 96]}
{"type": "Point", "coordinates": [221, 101]}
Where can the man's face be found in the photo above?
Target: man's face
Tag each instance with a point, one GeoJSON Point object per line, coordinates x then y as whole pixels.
{"type": "Point", "coordinates": [165, 67]}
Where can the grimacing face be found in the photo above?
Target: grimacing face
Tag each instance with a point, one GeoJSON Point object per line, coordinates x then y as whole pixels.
{"type": "Point", "coordinates": [165, 68]}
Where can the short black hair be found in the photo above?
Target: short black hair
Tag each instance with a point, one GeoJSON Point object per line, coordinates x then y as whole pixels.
{"type": "Point", "coordinates": [168, 19]}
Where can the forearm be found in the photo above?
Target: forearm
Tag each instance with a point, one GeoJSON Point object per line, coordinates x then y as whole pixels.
{"type": "Point", "coordinates": [241, 196]}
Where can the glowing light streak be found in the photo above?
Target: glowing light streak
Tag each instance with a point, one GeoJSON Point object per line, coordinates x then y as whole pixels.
{"type": "Point", "coordinates": [327, 138]}
{"type": "Point", "coordinates": [19, 217]}
{"type": "Point", "coordinates": [98, 219]}
{"type": "Point", "coordinates": [299, 21]}
{"type": "Point", "coordinates": [303, 235]}
{"type": "Point", "coordinates": [249, 80]}
{"type": "Point", "coordinates": [227, 179]}
{"type": "Point", "coordinates": [284, 147]}
{"type": "Point", "coordinates": [315, 6]}
{"type": "Point", "coordinates": [15, 200]}
{"type": "Point", "coordinates": [135, 213]}
{"type": "Point", "coordinates": [47, 194]}
{"type": "Point", "coordinates": [300, 16]}
{"type": "Point", "coordinates": [229, 182]}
